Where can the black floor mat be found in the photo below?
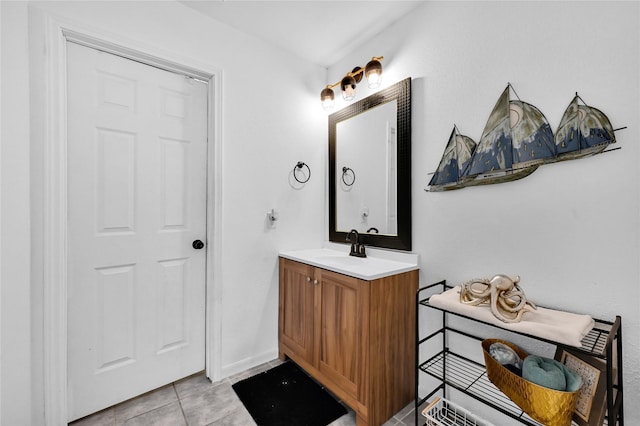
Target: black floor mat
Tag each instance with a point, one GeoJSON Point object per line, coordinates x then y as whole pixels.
{"type": "Point", "coordinates": [286, 395]}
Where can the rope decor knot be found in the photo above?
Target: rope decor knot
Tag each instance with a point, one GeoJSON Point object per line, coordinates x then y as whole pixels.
{"type": "Point", "coordinates": [502, 293]}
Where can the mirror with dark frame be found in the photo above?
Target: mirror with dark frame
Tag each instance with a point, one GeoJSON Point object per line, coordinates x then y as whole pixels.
{"type": "Point", "coordinates": [370, 169]}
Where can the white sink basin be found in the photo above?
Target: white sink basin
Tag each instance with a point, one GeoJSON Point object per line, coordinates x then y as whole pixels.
{"type": "Point", "coordinates": [372, 267]}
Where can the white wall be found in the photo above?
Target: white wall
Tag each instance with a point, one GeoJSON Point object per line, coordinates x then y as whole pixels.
{"type": "Point", "coordinates": [270, 120]}
{"type": "Point", "coordinates": [14, 229]}
{"type": "Point", "coordinates": [570, 230]}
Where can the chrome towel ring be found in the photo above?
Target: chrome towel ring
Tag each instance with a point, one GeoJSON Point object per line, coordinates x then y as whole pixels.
{"type": "Point", "coordinates": [298, 168]}
{"type": "Point", "coordinates": [345, 172]}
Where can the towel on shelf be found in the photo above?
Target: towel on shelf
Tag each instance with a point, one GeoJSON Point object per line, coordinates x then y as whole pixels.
{"type": "Point", "coordinates": [507, 357]}
{"type": "Point", "coordinates": [557, 326]}
{"type": "Point", "coordinates": [550, 374]}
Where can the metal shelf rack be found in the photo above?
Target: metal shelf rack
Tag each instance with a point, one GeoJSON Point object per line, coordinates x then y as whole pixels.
{"type": "Point", "coordinates": [456, 371]}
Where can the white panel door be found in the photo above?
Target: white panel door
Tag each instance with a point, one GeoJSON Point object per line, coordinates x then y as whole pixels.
{"type": "Point", "coordinates": [137, 149]}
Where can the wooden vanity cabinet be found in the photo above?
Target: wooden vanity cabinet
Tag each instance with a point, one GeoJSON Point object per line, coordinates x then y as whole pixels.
{"type": "Point", "coordinates": [355, 337]}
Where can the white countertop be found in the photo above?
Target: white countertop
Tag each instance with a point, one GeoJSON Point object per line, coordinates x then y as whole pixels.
{"type": "Point", "coordinates": [335, 257]}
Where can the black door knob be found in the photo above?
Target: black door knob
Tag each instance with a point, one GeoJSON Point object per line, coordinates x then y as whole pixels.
{"type": "Point", "coordinates": [197, 244]}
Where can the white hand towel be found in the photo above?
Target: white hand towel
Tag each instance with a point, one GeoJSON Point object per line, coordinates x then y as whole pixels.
{"type": "Point", "coordinates": [556, 326]}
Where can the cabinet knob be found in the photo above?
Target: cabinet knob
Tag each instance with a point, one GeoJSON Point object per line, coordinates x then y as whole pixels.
{"type": "Point", "coordinates": [315, 282]}
{"type": "Point", "coordinates": [308, 279]}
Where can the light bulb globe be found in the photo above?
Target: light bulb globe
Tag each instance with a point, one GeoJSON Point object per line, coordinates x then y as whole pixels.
{"type": "Point", "coordinates": [348, 87]}
{"type": "Point", "coordinates": [327, 98]}
{"type": "Point", "coordinates": [373, 73]}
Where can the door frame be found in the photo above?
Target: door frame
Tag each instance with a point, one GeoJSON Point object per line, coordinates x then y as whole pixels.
{"type": "Point", "coordinates": [55, 227]}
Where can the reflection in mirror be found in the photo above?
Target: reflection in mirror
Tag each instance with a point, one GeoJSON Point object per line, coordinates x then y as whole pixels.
{"type": "Point", "coordinates": [366, 148]}
{"type": "Point", "coordinates": [370, 169]}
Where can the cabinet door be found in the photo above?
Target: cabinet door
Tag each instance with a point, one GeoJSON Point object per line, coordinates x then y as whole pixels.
{"type": "Point", "coordinates": [297, 308]}
{"type": "Point", "coordinates": [343, 316]}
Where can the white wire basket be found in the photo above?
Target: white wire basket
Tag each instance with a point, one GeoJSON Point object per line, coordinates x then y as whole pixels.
{"type": "Point", "coordinates": [441, 412]}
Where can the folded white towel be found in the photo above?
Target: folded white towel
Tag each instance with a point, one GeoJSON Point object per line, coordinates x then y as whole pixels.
{"type": "Point", "coordinates": [556, 326]}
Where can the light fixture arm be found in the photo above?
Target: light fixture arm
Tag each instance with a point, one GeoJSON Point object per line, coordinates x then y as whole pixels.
{"type": "Point", "coordinates": [356, 71]}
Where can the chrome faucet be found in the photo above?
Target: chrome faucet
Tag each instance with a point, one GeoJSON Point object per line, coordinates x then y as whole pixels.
{"type": "Point", "coordinates": [357, 249]}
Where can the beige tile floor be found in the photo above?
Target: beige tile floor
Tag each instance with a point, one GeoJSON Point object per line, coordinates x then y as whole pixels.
{"type": "Point", "coordinates": [195, 401]}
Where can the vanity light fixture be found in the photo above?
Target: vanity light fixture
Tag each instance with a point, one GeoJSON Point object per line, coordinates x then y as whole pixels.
{"type": "Point", "coordinates": [327, 98]}
{"type": "Point", "coordinates": [349, 82]}
{"type": "Point", "coordinates": [372, 71]}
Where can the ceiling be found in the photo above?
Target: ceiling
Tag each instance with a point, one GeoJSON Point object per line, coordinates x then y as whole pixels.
{"type": "Point", "coordinates": [322, 32]}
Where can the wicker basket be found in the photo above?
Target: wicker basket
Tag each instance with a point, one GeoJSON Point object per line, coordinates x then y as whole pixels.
{"type": "Point", "coordinates": [548, 406]}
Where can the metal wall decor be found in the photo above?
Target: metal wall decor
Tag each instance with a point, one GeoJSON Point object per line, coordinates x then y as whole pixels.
{"type": "Point", "coordinates": [516, 140]}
